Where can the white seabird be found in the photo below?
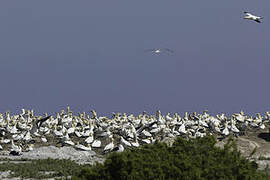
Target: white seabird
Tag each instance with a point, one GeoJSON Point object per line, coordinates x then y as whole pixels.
{"type": "Point", "coordinates": [4, 141]}
{"type": "Point", "coordinates": [27, 136]}
{"type": "Point", "coordinates": [43, 139]}
{"type": "Point", "coordinates": [15, 150]}
{"type": "Point", "coordinates": [124, 142]}
{"type": "Point", "coordinates": [225, 131]}
{"type": "Point", "coordinates": [252, 17]}
{"type": "Point", "coordinates": [136, 143]}
{"type": "Point", "coordinates": [109, 146]}
{"type": "Point", "coordinates": [69, 142]}
{"type": "Point", "coordinates": [90, 139]}
{"type": "Point", "coordinates": [30, 147]}
{"type": "Point", "coordinates": [119, 148]}
{"type": "Point", "coordinates": [159, 50]}
{"type": "Point", "coordinates": [17, 137]}
{"type": "Point", "coordinates": [96, 144]}
{"type": "Point", "coordinates": [182, 129]}
{"type": "Point", "coordinates": [82, 147]}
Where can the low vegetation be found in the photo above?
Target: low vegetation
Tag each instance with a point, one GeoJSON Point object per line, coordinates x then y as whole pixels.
{"type": "Point", "coordinates": [264, 158]}
{"type": "Point", "coordinates": [194, 159]}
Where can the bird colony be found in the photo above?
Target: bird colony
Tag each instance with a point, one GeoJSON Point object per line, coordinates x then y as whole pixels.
{"type": "Point", "coordinates": [90, 132]}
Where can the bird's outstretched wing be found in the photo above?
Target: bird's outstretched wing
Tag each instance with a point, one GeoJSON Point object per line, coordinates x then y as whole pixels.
{"type": "Point", "coordinates": [42, 120]}
{"type": "Point", "coordinates": [248, 13]}
{"type": "Point", "coordinates": [149, 50]}
{"type": "Point", "coordinates": [258, 21]}
{"type": "Point", "coordinates": [168, 50]}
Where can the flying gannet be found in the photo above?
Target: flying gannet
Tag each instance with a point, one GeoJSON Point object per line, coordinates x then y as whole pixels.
{"type": "Point", "coordinates": [253, 17]}
{"type": "Point", "coordinates": [159, 50]}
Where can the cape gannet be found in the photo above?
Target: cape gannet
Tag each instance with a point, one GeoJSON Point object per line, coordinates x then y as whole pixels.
{"type": "Point", "coordinates": [27, 136]}
{"type": "Point", "coordinates": [4, 141]}
{"type": "Point", "coordinates": [42, 120]}
{"type": "Point", "coordinates": [15, 150]}
{"type": "Point", "coordinates": [82, 147]}
{"type": "Point", "coordinates": [44, 140]}
{"type": "Point", "coordinates": [159, 50]}
{"type": "Point", "coordinates": [124, 142]}
{"type": "Point", "coordinates": [225, 131]}
{"type": "Point", "coordinates": [119, 148]}
{"type": "Point", "coordinates": [30, 147]}
{"type": "Point", "coordinates": [252, 17]}
{"type": "Point", "coordinates": [109, 146]}
{"type": "Point", "coordinates": [90, 139]}
{"type": "Point", "coordinates": [96, 144]}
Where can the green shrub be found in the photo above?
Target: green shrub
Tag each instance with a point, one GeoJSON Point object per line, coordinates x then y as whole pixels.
{"type": "Point", "coordinates": [193, 159]}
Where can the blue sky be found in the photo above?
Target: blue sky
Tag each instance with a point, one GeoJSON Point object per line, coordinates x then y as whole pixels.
{"type": "Point", "coordinates": [90, 55]}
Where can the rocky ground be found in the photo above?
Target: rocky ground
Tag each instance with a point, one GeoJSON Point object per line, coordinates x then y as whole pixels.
{"type": "Point", "coordinates": [259, 139]}
{"type": "Point", "coordinates": [66, 152]}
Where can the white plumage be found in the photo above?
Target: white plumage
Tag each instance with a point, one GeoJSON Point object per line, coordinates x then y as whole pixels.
{"type": "Point", "coordinates": [252, 17]}
{"type": "Point", "coordinates": [109, 146]}
{"type": "Point", "coordinates": [96, 144]}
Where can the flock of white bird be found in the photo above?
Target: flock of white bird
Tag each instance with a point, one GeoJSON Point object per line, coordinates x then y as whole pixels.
{"type": "Point", "coordinates": [86, 132]}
